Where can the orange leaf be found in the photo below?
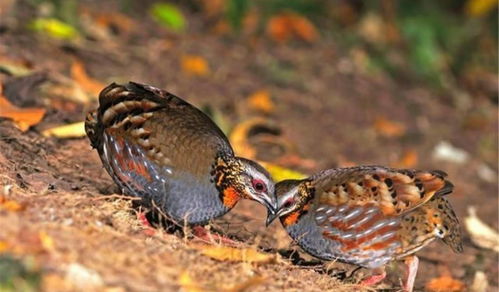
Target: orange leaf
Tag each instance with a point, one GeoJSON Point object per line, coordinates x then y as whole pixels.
{"type": "Point", "coordinates": [11, 205]}
{"type": "Point", "coordinates": [389, 128]}
{"type": "Point", "coordinates": [408, 160]}
{"type": "Point", "coordinates": [445, 283]}
{"type": "Point", "coordinates": [195, 65]}
{"type": "Point", "coordinates": [261, 101]}
{"type": "Point", "coordinates": [22, 117]}
{"type": "Point", "coordinates": [279, 29]}
{"type": "Point", "coordinates": [4, 246]}
{"type": "Point", "coordinates": [303, 28]}
{"type": "Point", "coordinates": [79, 74]}
{"type": "Point", "coordinates": [282, 27]}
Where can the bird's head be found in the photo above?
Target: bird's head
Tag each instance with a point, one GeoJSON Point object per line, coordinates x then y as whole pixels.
{"type": "Point", "coordinates": [293, 201]}
{"type": "Point", "coordinates": [243, 178]}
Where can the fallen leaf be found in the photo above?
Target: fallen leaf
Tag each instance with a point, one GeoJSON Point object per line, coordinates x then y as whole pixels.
{"type": "Point", "coordinates": [46, 240]}
{"type": "Point", "coordinates": [68, 89]}
{"type": "Point", "coordinates": [195, 65]}
{"type": "Point", "coordinates": [188, 284]}
{"type": "Point", "coordinates": [481, 234]}
{"type": "Point", "coordinates": [279, 173]}
{"type": "Point", "coordinates": [480, 282]}
{"type": "Point", "coordinates": [79, 74]}
{"type": "Point", "coordinates": [408, 160]}
{"type": "Point", "coordinates": [278, 29]}
{"type": "Point", "coordinates": [261, 101]}
{"type": "Point", "coordinates": [447, 152]}
{"type": "Point", "coordinates": [169, 16]}
{"type": "Point", "coordinates": [303, 28]}
{"type": "Point", "coordinates": [83, 278]}
{"type": "Point", "coordinates": [54, 28]}
{"type": "Point", "coordinates": [13, 206]}
{"type": "Point", "coordinates": [231, 254]}
{"type": "Point", "coordinates": [389, 128]}
{"type": "Point", "coordinates": [445, 284]}
{"type": "Point", "coordinates": [239, 137]}
{"type": "Point", "coordinates": [282, 27]}
{"type": "Point", "coordinates": [4, 246]}
{"type": "Point", "coordinates": [75, 130]}
{"type": "Point", "coordinates": [23, 118]}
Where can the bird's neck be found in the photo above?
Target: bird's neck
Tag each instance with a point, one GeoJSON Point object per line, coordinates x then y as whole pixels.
{"type": "Point", "coordinates": [225, 173]}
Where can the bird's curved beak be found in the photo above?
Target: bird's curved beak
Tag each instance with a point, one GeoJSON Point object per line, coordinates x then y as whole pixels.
{"type": "Point", "coordinates": [269, 202]}
{"type": "Point", "coordinates": [271, 216]}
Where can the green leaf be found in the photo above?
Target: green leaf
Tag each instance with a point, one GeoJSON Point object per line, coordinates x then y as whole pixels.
{"type": "Point", "coordinates": [54, 28]}
{"type": "Point", "coordinates": [169, 16]}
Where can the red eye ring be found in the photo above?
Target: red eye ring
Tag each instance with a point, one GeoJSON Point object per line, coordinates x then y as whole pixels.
{"type": "Point", "coordinates": [259, 185]}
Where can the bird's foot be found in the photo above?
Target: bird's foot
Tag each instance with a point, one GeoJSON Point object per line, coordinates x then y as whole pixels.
{"type": "Point", "coordinates": [412, 263]}
{"type": "Point", "coordinates": [200, 233]}
{"type": "Point", "coordinates": [374, 279]}
{"type": "Point", "coordinates": [148, 229]}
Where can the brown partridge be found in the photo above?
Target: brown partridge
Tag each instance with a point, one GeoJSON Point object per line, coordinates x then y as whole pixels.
{"type": "Point", "coordinates": [368, 215]}
{"type": "Point", "coordinates": [159, 147]}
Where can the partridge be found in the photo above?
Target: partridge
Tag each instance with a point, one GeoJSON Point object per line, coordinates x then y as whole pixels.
{"type": "Point", "coordinates": [158, 147]}
{"type": "Point", "coordinates": [368, 215]}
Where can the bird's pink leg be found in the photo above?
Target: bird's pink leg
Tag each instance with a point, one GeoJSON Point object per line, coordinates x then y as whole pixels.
{"type": "Point", "coordinates": [148, 229]}
{"type": "Point", "coordinates": [374, 279]}
{"type": "Point", "coordinates": [204, 235]}
{"type": "Point", "coordinates": [412, 264]}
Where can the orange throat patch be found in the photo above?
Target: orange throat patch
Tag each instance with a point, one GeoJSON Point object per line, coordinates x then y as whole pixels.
{"type": "Point", "coordinates": [291, 218]}
{"type": "Point", "coordinates": [230, 197]}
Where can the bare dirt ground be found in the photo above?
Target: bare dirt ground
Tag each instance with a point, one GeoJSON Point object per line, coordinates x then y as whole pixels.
{"type": "Point", "coordinates": [72, 217]}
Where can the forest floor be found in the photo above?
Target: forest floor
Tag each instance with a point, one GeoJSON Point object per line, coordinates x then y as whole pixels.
{"type": "Point", "coordinates": [66, 226]}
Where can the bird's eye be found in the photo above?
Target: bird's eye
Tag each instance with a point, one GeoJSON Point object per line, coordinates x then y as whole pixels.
{"type": "Point", "coordinates": [259, 185]}
{"type": "Point", "coordinates": [287, 204]}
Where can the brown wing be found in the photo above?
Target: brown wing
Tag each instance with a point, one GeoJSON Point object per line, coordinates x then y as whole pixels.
{"type": "Point", "coordinates": [170, 131]}
{"type": "Point", "coordinates": [394, 191]}
{"type": "Point", "coordinates": [361, 209]}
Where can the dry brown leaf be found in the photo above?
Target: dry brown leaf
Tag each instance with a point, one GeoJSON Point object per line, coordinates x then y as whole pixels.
{"type": "Point", "coordinates": [481, 234]}
{"type": "Point", "coordinates": [79, 74]}
{"type": "Point", "coordinates": [23, 117]}
{"type": "Point", "coordinates": [408, 160]}
{"type": "Point", "coordinates": [195, 65]}
{"type": "Point", "coordinates": [261, 101]}
{"type": "Point", "coordinates": [231, 254]}
{"type": "Point", "coordinates": [445, 283]}
{"type": "Point", "coordinates": [75, 130]}
{"type": "Point", "coordinates": [389, 128]}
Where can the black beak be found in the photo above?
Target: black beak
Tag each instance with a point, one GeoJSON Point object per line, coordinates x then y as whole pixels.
{"type": "Point", "coordinates": [271, 216]}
